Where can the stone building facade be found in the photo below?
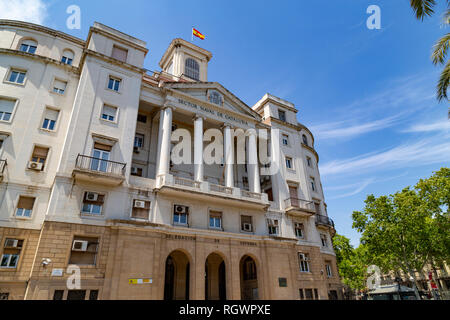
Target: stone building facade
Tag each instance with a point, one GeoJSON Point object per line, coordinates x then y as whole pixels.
{"type": "Point", "coordinates": [89, 185]}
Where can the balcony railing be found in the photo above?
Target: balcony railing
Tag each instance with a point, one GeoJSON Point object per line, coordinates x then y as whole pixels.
{"type": "Point", "coordinates": [324, 220]}
{"type": "Point", "coordinates": [221, 189]}
{"type": "Point", "coordinates": [249, 194]}
{"type": "Point", "coordinates": [87, 163]}
{"type": "Point", "coordinates": [186, 182]}
{"type": "Point", "coordinates": [3, 164]}
{"type": "Point", "coordinates": [299, 204]}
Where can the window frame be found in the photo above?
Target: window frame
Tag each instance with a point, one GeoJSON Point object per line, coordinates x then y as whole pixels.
{"type": "Point", "coordinates": [328, 269]}
{"type": "Point", "coordinates": [67, 62]}
{"type": "Point", "coordinates": [52, 89]}
{"type": "Point", "coordinates": [212, 214]}
{"type": "Point", "coordinates": [16, 103]}
{"type": "Point", "coordinates": [283, 136]}
{"type": "Point", "coordinates": [181, 224]}
{"type": "Point", "coordinates": [132, 208]}
{"type": "Point", "coordinates": [47, 158]}
{"type": "Point", "coordinates": [195, 64]}
{"type": "Point", "coordinates": [116, 79]}
{"type": "Point", "coordinates": [291, 160]}
{"type": "Point", "coordinates": [251, 224]}
{"type": "Point", "coordinates": [55, 129]}
{"type": "Point", "coordinates": [21, 43]}
{"type": "Point", "coordinates": [115, 46]}
{"type": "Point", "coordinates": [102, 208]}
{"type": "Point", "coordinates": [116, 119]}
{"type": "Point", "coordinates": [282, 112]}
{"type": "Point", "coordinates": [273, 227]}
{"type": "Point", "coordinates": [304, 263]}
{"type": "Point", "coordinates": [23, 217]}
{"type": "Point", "coordinates": [19, 70]}
{"type": "Point", "coordinates": [297, 228]}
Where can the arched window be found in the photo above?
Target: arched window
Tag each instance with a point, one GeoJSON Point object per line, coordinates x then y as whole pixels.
{"type": "Point", "coordinates": [67, 57]}
{"type": "Point", "coordinates": [192, 69]}
{"type": "Point", "coordinates": [29, 46]}
{"type": "Point", "coordinates": [305, 140]}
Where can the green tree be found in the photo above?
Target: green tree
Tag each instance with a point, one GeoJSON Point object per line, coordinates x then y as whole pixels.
{"type": "Point", "coordinates": [422, 9]}
{"type": "Point", "coordinates": [351, 264]}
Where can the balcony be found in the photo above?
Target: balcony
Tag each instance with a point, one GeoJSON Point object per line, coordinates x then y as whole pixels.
{"type": "Point", "coordinates": [324, 221]}
{"type": "Point", "coordinates": [299, 207]}
{"type": "Point", "coordinates": [183, 187]}
{"type": "Point", "coordinates": [3, 164]}
{"type": "Point", "coordinates": [96, 170]}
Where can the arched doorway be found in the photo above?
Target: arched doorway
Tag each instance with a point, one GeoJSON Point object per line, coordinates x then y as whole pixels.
{"type": "Point", "coordinates": [249, 278]}
{"type": "Point", "coordinates": [215, 279]}
{"type": "Point", "coordinates": [177, 278]}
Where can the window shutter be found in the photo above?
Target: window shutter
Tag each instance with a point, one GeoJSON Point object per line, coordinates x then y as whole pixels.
{"type": "Point", "coordinates": [26, 203]}
{"type": "Point", "coordinates": [60, 85]}
{"type": "Point", "coordinates": [7, 105]}
{"type": "Point", "coordinates": [51, 114]}
{"type": "Point", "coordinates": [102, 147]}
{"type": "Point", "coordinates": [119, 54]}
{"type": "Point", "coordinates": [40, 152]}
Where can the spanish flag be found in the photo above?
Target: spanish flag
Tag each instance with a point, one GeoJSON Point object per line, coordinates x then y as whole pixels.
{"type": "Point", "coordinates": [197, 33]}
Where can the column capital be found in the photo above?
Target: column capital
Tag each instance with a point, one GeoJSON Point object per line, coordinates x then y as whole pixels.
{"type": "Point", "coordinates": [226, 125]}
{"type": "Point", "coordinates": [168, 104]}
{"type": "Point", "coordinates": [198, 116]}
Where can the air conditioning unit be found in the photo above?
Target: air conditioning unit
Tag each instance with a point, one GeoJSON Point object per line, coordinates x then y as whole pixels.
{"type": "Point", "coordinates": [35, 165]}
{"type": "Point", "coordinates": [139, 204]}
{"type": "Point", "coordinates": [80, 245]}
{"type": "Point", "coordinates": [11, 243]}
{"type": "Point", "coordinates": [247, 227]}
{"type": "Point", "coordinates": [181, 209]}
{"type": "Point", "coordinates": [92, 196]}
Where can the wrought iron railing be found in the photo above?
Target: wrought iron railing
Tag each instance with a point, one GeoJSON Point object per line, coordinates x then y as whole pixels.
{"type": "Point", "coordinates": [299, 204]}
{"type": "Point", "coordinates": [3, 164]}
{"type": "Point", "coordinates": [87, 163]}
{"type": "Point", "coordinates": [324, 220]}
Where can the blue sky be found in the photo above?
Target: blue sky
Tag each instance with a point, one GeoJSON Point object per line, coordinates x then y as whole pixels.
{"type": "Point", "coordinates": [367, 95]}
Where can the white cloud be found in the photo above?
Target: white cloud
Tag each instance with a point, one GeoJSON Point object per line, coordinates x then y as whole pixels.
{"type": "Point", "coordinates": [34, 11]}
{"type": "Point", "coordinates": [343, 129]}
{"type": "Point", "coordinates": [426, 151]}
{"type": "Point", "coordinates": [443, 125]}
{"type": "Point", "coordinates": [360, 187]}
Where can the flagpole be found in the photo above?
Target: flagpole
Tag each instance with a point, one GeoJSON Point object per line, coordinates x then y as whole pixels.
{"type": "Point", "coordinates": [192, 34]}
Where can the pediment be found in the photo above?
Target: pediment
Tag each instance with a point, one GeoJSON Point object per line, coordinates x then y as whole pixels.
{"type": "Point", "coordinates": [201, 91]}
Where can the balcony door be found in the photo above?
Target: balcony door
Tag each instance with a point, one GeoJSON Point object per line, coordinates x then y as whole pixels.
{"type": "Point", "coordinates": [100, 157]}
{"type": "Point", "coordinates": [293, 194]}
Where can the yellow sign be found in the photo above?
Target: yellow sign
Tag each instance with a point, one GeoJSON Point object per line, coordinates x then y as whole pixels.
{"type": "Point", "coordinates": [140, 281]}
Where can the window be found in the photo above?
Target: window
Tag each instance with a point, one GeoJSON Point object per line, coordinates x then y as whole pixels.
{"type": "Point", "coordinates": [84, 251]}
{"type": "Point", "coordinates": [323, 239]}
{"type": "Point", "coordinates": [17, 76]}
{"type": "Point", "coordinates": [215, 219]}
{"type": "Point", "coordinates": [29, 46]}
{"type": "Point", "coordinates": [25, 207]}
{"type": "Point", "coordinates": [6, 109]}
{"type": "Point", "coordinates": [309, 294]}
{"type": "Point", "coordinates": [299, 230]}
{"type": "Point", "coordinates": [215, 97]}
{"type": "Point", "coordinates": [246, 224]}
{"type": "Point", "coordinates": [309, 161]}
{"type": "Point", "coordinates": [59, 86]}
{"type": "Point", "coordinates": [139, 141]}
{"type": "Point", "coordinates": [285, 139]}
{"type": "Point", "coordinates": [305, 139]}
{"type": "Point", "coordinates": [67, 57]}
{"type": "Point", "coordinates": [142, 118]}
{"type": "Point", "coordinates": [313, 184]}
{"type": "Point", "coordinates": [93, 203]}
{"type": "Point", "coordinates": [316, 294]}
{"type": "Point", "coordinates": [272, 224]}
{"type": "Point", "coordinates": [114, 84]}
{"type": "Point", "coordinates": [76, 295]}
{"type": "Point", "coordinates": [39, 156]}
{"type": "Point", "coordinates": [282, 115]}
{"type": "Point", "coordinates": [180, 215]}
{"type": "Point", "coordinates": [249, 269]}
{"type": "Point", "coordinates": [58, 295]}
{"type": "Point", "coordinates": [141, 209]}
{"type": "Point", "coordinates": [50, 118]}
{"type": "Point", "coordinates": [11, 253]}
{"type": "Point", "coordinates": [304, 262]}
{"type": "Point", "coordinates": [109, 113]}
{"type": "Point", "coordinates": [100, 156]}
{"type": "Point", "coordinates": [289, 163]}
{"type": "Point", "coordinates": [192, 69]}
{"type": "Point", "coordinates": [302, 297]}
{"type": "Point", "coordinates": [328, 269]}
{"type": "Point", "coordinates": [135, 171]}
{"type": "Point", "coordinates": [119, 54]}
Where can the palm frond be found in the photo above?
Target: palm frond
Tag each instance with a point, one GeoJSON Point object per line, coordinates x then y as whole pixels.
{"type": "Point", "coordinates": [440, 50]}
{"type": "Point", "coordinates": [423, 8]}
{"type": "Point", "coordinates": [443, 84]}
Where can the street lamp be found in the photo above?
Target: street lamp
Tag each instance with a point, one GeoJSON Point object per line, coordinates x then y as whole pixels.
{"type": "Point", "coordinates": [398, 280]}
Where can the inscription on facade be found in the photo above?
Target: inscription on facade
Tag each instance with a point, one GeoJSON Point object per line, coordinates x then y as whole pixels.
{"type": "Point", "coordinates": [177, 237]}
{"type": "Point", "coordinates": [246, 243]}
{"type": "Point", "coordinates": [212, 112]}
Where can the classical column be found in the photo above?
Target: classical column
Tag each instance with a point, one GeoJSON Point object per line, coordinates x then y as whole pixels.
{"type": "Point", "coordinates": [165, 132]}
{"type": "Point", "coordinates": [252, 166]}
{"type": "Point", "coordinates": [228, 155]}
{"type": "Point", "coordinates": [198, 148]}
